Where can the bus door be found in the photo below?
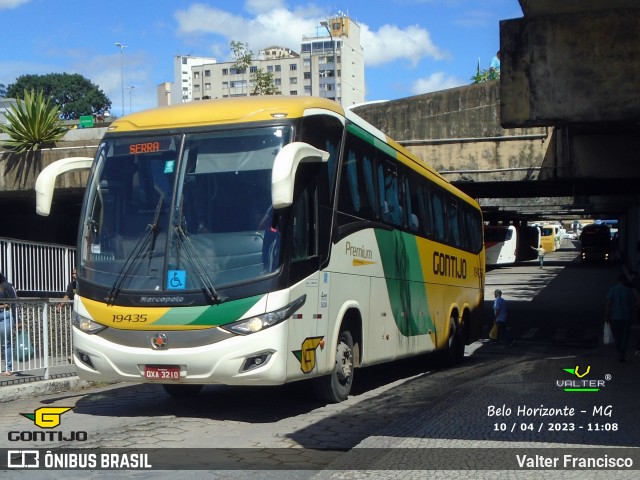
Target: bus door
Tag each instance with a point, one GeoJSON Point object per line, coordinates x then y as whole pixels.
{"type": "Point", "coordinates": [308, 327]}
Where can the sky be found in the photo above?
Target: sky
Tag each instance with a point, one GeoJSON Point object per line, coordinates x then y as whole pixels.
{"type": "Point", "coordinates": [410, 46]}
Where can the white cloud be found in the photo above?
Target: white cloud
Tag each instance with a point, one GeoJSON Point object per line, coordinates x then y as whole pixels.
{"type": "Point", "coordinates": [7, 4]}
{"type": "Point", "coordinates": [435, 82]}
{"type": "Point", "coordinates": [391, 43]}
{"type": "Point", "coordinates": [276, 25]}
{"type": "Point", "coordinates": [262, 6]}
{"type": "Point", "coordinates": [272, 23]}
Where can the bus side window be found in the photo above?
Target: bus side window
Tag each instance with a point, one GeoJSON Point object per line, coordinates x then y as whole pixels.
{"type": "Point", "coordinates": [438, 213]}
{"type": "Point", "coordinates": [304, 237]}
{"type": "Point", "coordinates": [453, 222]}
{"type": "Point", "coordinates": [357, 186]}
{"type": "Point", "coordinates": [324, 132]}
{"type": "Point", "coordinates": [388, 191]}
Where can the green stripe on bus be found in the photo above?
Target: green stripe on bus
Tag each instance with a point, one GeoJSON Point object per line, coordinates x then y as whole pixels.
{"type": "Point", "coordinates": [210, 316]}
{"type": "Point", "coordinates": [405, 281]}
{"type": "Point", "coordinates": [372, 140]}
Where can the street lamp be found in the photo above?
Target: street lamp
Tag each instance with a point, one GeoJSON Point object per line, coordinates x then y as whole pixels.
{"type": "Point", "coordinates": [325, 24]}
{"type": "Point", "coordinates": [121, 47]}
{"type": "Point", "coordinates": [130, 88]}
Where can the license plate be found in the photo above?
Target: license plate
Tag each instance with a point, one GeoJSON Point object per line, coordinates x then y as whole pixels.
{"type": "Point", "coordinates": [153, 372]}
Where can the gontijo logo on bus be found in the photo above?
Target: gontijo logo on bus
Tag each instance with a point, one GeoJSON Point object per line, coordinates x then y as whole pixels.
{"type": "Point", "coordinates": [447, 265]}
{"type": "Point", "coordinates": [307, 353]}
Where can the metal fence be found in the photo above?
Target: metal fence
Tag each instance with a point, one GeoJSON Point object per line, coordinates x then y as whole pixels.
{"type": "Point", "coordinates": [35, 268]}
{"type": "Point", "coordinates": [38, 336]}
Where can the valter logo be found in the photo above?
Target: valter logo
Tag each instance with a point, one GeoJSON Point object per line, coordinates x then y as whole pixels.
{"type": "Point", "coordinates": [580, 383]}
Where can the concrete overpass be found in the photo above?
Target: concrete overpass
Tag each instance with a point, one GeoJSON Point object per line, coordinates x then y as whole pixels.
{"type": "Point", "coordinates": [558, 134]}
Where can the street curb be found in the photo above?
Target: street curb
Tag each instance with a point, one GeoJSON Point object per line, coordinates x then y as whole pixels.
{"type": "Point", "coordinates": [20, 391]}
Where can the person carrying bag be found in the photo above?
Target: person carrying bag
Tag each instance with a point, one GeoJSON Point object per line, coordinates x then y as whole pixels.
{"type": "Point", "coordinates": [7, 311]}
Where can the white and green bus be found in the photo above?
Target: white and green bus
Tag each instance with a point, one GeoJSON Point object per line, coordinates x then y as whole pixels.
{"type": "Point", "coordinates": [266, 240]}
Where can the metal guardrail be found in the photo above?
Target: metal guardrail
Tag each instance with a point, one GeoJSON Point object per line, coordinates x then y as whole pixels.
{"type": "Point", "coordinates": [35, 267]}
{"type": "Point", "coordinates": [46, 326]}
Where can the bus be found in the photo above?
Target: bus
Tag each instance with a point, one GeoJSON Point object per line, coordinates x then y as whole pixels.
{"type": "Point", "coordinates": [550, 238]}
{"type": "Point", "coordinates": [500, 243]}
{"type": "Point", "coordinates": [595, 242]}
{"type": "Point", "coordinates": [507, 244]}
{"type": "Point", "coordinates": [266, 240]}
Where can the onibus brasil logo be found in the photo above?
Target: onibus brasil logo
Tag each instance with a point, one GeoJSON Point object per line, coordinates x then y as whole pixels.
{"type": "Point", "coordinates": [580, 383]}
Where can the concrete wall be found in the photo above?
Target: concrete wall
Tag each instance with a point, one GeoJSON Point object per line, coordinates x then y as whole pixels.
{"type": "Point", "coordinates": [570, 68]}
{"type": "Point", "coordinates": [458, 132]}
{"type": "Point", "coordinates": [75, 143]}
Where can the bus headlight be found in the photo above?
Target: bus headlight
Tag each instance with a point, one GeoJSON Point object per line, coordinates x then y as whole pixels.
{"type": "Point", "coordinates": [86, 324]}
{"type": "Point", "coordinates": [260, 322]}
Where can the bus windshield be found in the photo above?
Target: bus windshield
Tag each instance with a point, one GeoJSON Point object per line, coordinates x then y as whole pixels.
{"type": "Point", "coordinates": [181, 211]}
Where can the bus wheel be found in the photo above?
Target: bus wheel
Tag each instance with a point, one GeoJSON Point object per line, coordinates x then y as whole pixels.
{"type": "Point", "coordinates": [454, 351]}
{"type": "Point", "coordinates": [182, 390]}
{"type": "Point", "coordinates": [457, 349]}
{"type": "Point", "coordinates": [336, 387]}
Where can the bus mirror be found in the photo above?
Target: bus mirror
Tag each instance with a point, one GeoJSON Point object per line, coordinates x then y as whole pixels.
{"type": "Point", "coordinates": [46, 180]}
{"type": "Point", "coordinates": [285, 167]}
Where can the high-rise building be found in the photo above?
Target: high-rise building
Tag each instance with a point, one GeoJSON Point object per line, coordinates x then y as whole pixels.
{"type": "Point", "coordinates": [164, 94]}
{"type": "Point", "coordinates": [182, 89]}
{"type": "Point", "coordinates": [330, 65]}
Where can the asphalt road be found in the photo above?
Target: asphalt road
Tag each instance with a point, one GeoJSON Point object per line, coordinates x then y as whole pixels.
{"type": "Point", "coordinates": [407, 419]}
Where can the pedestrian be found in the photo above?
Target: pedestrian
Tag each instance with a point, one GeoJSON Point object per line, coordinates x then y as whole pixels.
{"type": "Point", "coordinates": [541, 253]}
{"type": "Point", "coordinates": [71, 287]}
{"type": "Point", "coordinates": [7, 311]}
{"type": "Point", "coordinates": [500, 313]}
{"type": "Point", "coordinates": [618, 312]}
{"type": "Point", "coordinates": [69, 294]}
{"type": "Point", "coordinates": [494, 66]}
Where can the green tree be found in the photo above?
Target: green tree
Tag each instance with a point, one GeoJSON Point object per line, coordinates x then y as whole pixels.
{"type": "Point", "coordinates": [73, 94]}
{"type": "Point", "coordinates": [33, 124]}
{"type": "Point", "coordinates": [485, 75]}
{"type": "Point", "coordinates": [242, 56]}
{"type": "Point", "coordinates": [263, 82]}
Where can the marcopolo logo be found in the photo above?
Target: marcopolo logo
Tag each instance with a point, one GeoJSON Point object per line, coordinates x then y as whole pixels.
{"type": "Point", "coordinates": [46, 418]}
{"type": "Point", "coordinates": [580, 383]}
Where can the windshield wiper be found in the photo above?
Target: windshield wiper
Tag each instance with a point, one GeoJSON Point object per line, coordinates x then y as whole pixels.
{"type": "Point", "coordinates": [195, 262]}
{"type": "Point", "coordinates": [148, 239]}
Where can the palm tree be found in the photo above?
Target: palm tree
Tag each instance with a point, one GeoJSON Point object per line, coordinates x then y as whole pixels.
{"type": "Point", "coordinates": [33, 125]}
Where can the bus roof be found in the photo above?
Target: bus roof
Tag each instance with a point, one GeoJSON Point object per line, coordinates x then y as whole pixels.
{"type": "Point", "coordinates": [260, 108]}
{"type": "Point", "coordinates": [222, 111]}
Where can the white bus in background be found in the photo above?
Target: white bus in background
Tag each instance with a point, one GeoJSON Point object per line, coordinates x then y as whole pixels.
{"type": "Point", "coordinates": [507, 244]}
{"type": "Point", "coordinates": [500, 243]}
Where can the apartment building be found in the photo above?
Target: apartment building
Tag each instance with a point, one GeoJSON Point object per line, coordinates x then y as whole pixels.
{"type": "Point", "coordinates": [183, 76]}
{"type": "Point", "coordinates": [330, 64]}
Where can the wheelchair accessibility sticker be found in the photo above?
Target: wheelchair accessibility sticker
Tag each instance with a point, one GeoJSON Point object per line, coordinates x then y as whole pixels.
{"type": "Point", "coordinates": [176, 280]}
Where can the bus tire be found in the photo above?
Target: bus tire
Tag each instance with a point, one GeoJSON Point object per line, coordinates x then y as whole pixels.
{"type": "Point", "coordinates": [454, 351]}
{"type": "Point", "coordinates": [335, 388]}
{"type": "Point", "coordinates": [457, 353]}
{"type": "Point", "coordinates": [182, 390]}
